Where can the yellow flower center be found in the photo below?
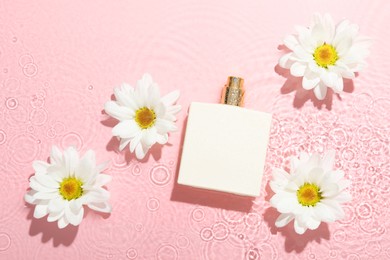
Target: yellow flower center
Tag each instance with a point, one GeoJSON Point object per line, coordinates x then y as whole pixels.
{"type": "Point", "coordinates": [71, 188]}
{"type": "Point", "coordinates": [325, 55]}
{"type": "Point", "coordinates": [309, 194]}
{"type": "Point", "coordinates": [145, 117]}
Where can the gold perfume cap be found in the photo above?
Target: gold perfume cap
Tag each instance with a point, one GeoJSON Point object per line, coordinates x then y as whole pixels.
{"type": "Point", "coordinates": [233, 92]}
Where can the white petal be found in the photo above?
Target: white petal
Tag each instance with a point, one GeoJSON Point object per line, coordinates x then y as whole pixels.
{"type": "Point", "coordinates": [162, 138]}
{"type": "Point", "coordinates": [339, 85]}
{"type": "Point", "coordinates": [290, 41]}
{"type": "Point", "coordinates": [283, 220]}
{"type": "Point", "coordinates": [140, 151]}
{"type": "Point", "coordinates": [126, 129]}
{"type": "Point", "coordinates": [36, 185]}
{"type": "Point", "coordinates": [86, 166]}
{"type": "Point", "coordinates": [310, 80]}
{"type": "Point", "coordinates": [54, 216]}
{"type": "Point", "coordinates": [71, 159]}
{"type": "Point", "coordinates": [171, 98]}
{"type": "Point", "coordinates": [173, 109]}
{"type": "Point", "coordinates": [29, 196]}
{"type": "Point", "coordinates": [343, 46]}
{"type": "Point", "coordinates": [46, 195]}
{"type": "Point", "coordinates": [125, 98]}
{"type": "Point", "coordinates": [329, 78]}
{"type": "Point", "coordinates": [329, 190]}
{"type": "Point", "coordinates": [102, 179]}
{"type": "Point", "coordinates": [55, 155]}
{"type": "Point", "coordinates": [56, 204]}
{"type": "Point", "coordinates": [324, 212]}
{"type": "Point", "coordinates": [123, 143]}
{"type": "Point", "coordinates": [47, 181]}
{"type": "Point", "coordinates": [101, 207]}
{"type": "Point", "coordinates": [320, 91]}
{"type": "Point", "coordinates": [298, 69]}
{"type": "Point", "coordinates": [74, 213]}
{"type": "Point", "coordinates": [284, 204]}
{"type": "Point", "coordinates": [285, 61]}
{"type": "Point", "coordinates": [40, 210]}
{"type": "Point", "coordinates": [135, 141]}
{"type": "Point", "coordinates": [96, 195]}
{"type": "Point", "coordinates": [164, 126]}
{"type": "Point", "coordinates": [118, 112]}
{"type": "Point", "coordinates": [149, 137]}
{"type": "Point", "coordinates": [328, 160]}
{"type": "Point", "coordinates": [62, 222]}
{"type": "Point", "coordinates": [40, 167]}
{"type": "Point", "coordinates": [299, 227]}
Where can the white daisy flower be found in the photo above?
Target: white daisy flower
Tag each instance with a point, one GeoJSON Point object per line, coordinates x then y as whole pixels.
{"type": "Point", "coordinates": [313, 192]}
{"type": "Point", "coordinates": [325, 53]}
{"type": "Point", "coordinates": [60, 188]}
{"type": "Point", "coordinates": [145, 118]}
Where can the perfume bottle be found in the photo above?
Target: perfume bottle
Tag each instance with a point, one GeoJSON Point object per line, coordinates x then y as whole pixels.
{"type": "Point", "coordinates": [225, 144]}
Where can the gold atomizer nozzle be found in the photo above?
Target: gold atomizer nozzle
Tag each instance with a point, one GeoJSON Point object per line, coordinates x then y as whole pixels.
{"type": "Point", "coordinates": [233, 92]}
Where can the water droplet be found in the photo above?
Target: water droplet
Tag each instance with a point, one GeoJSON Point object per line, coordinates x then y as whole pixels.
{"type": "Point", "coordinates": [364, 210]}
{"type": "Point", "coordinates": [198, 214]}
{"type": "Point", "coordinates": [206, 234]}
{"type": "Point", "coordinates": [353, 257]}
{"type": "Point", "coordinates": [90, 87]}
{"type": "Point", "coordinates": [363, 133]}
{"type": "Point", "coordinates": [38, 141]}
{"type": "Point", "coordinates": [153, 204]}
{"type": "Point", "coordinates": [11, 103]}
{"type": "Point", "coordinates": [59, 127]}
{"type": "Point", "coordinates": [72, 139]}
{"type": "Point", "coordinates": [312, 256]}
{"type": "Point", "coordinates": [183, 242]}
{"type": "Point", "coordinates": [241, 236]}
{"type": "Point", "coordinates": [38, 116]}
{"type": "Point", "coordinates": [30, 69]}
{"type": "Point", "coordinates": [339, 235]}
{"type": "Point", "coordinates": [348, 154]}
{"type": "Point", "coordinates": [362, 102]}
{"type": "Point", "coordinates": [5, 70]}
{"type": "Point", "coordinates": [166, 252]}
{"type": "Point", "coordinates": [139, 227]}
{"type": "Point", "coordinates": [14, 39]}
{"type": "Point", "coordinates": [377, 115]}
{"type": "Point", "coordinates": [373, 248]}
{"type": "Point", "coordinates": [372, 194]}
{"type": "Point", "coordinates": [338, 137]}
{"type": "Point", "coordinates": [252, 254]}
{"type": "Point", "coordinates": [3, 137]}
{"type": "Point", "coordinates": [12, 84]}
{"type": "Point", "coordinates": [37, 102]}
{"type": "Point", "coordinates": [220, 231]}
{"type": "Point", "coordinates": [27, 148]}
{"type": "Point", "coordinates": [160, 175]}
{"type": "Point", "coordinates": [253, 220]}
{"type": "Point", "coordinates": [51, 133]}
{"type": "Point", "coordinates": [25, 59]}
{"type": "Point", "coordinates": [333, 253]}
{"type": "Point", "coordinates": [5, 241]}
{"type": "Point", "coordinates": [131, 253]}
{"type": "Point", "coordinates": [136, 171]}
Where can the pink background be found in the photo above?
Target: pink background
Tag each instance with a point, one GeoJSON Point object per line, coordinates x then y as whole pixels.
{"type": "Point", "coordinates": [59, 63]}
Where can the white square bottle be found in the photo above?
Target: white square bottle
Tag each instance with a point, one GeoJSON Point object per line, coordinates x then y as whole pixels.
{"type": "Point", "coordinates": [225, 145]}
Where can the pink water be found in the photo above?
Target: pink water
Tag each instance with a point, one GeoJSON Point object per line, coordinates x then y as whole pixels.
{"type": "Point", "coordinates": [59, 63]}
